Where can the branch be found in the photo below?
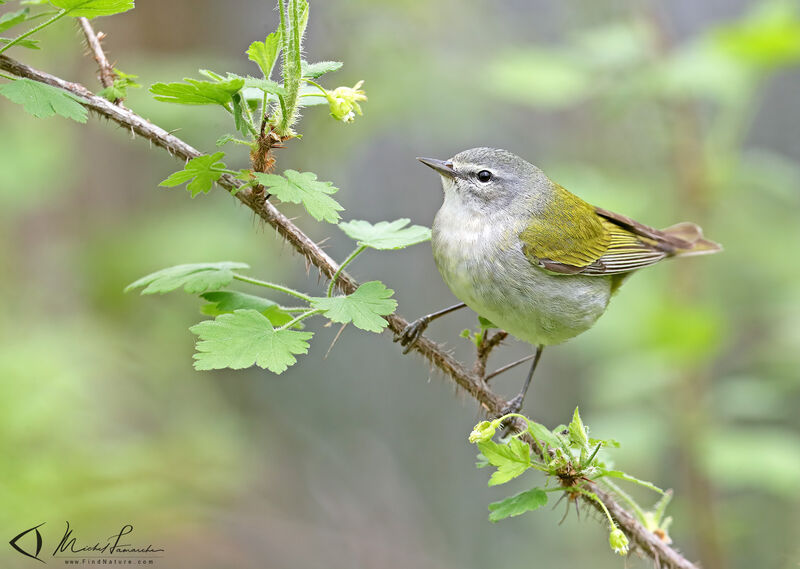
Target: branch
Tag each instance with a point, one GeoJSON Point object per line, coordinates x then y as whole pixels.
{"type": "Point", "coordinates": [492, 403]}
{"type": "Point", "coordinates": [93, 41]}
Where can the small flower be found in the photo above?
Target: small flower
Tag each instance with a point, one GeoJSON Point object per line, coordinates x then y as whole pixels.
{"type": "Point", "coordinates": [343, 102]}
{"type": "Point", "coordinates": [618, 541]}
{"type": "Point", "coordinates": [482, 432]}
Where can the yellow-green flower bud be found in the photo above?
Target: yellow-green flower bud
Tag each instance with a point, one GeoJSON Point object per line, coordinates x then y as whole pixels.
{"type": "Point", "coordinates": [343, 102]}
{"type": "Point", "coordinates": [482, 432]}
{"type": "Point", "coordinates": [618, 541]}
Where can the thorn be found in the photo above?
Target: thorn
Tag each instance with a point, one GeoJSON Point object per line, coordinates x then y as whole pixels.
{"type": "Point", "coordinates": [339, 333]}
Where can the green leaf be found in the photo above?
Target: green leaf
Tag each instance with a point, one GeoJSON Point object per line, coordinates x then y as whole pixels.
{"type": "Point", "coordinates": [227, 301]}
{"type": "Point", "coordinates": [244, 338]}
{"type": "Point", "coordinates": [119, 89]}
{"type": "Point", "coordinates": [42, 100]}
{"type": "Point", "coordinates": [577, 432]}
{"type": "Point", "coordinates": [511, 459]}
{"type": "Point", "coordinates": [202, 171]}
{"type": "Point", "coordinates": [93, 8]}
{"type": "Point", "coordinates": [239, 120]}
{"type": "Point", "coordinates": [768, 36]}
{"type": "Point", "coordinates": [386, 235]}
{"type": "Point", "coordinates": [265, 53]}
{"type": "Point", "coordinates": [543, 434]}
{"type": "Point", "coordinates": [363, 308]}
{"type": "Point", "coordinates": [485, 323]}
{"type": "Point", "coordinates": [30, 44]}
{"type": "Point", "coordinates": [625, 476]}
{"type": "Point", "coordinates": [265, 85]}
{"type": "Point", "coordinates": [11, 19]}
{"type": "Point", "coordinates": [314, 70]}
{"type": "Point", "coordinates": [297, 187]}
{"type": "Point", "coordinates": [194, 278]}
{"type": "Point", "coordinates": [532, 499]}
{"type": "Point", "coordinates": [194, 92]}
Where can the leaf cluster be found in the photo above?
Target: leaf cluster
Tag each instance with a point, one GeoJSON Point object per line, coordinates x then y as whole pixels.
{"type": "Point", "coordinates": [567, 455]}
{"type": "Point", "coordinates": [248, 329]}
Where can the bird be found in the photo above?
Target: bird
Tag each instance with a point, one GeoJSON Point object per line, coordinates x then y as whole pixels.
{"type": "Point", "coordinates": [533, 258]}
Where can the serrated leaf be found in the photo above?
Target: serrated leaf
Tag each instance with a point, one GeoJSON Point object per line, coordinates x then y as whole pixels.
{"type": "Point", "coordinates": [194, 278]}
{"type": "Point", "coordinates": [265, 53]}
{"type": "Point", "coordinates": [194, 92]}
{"type": "Point", "coordinates": [30, 44]}
{"type": "Point", "coordinates": [227, 301]}
{"type": "Point", "coordinates": [42, 100]}
{"type": "Point", "coordinates": [93, 8]}
{"type": "Point", "coordinates": [532, 499]}
{"type": "Point", "coordinates": [385, 234]}
{"type": "Point", "coordinates": [314, 70]}
{"type": "Point", "coordinates": [245, 338]}
{"type": "Point", "coordinates": [303, 187]}
{"type": "Point", "coordinates": [363, 308]}
{"type": "Point", "coordinates": [265, 85]}
{"type": "Point", "coordinates": [11, 19]}
{"type": "Point", "coordinates": [511, 459]}
{"type": "Point", "coordinates": [543, 434]}
{"type": "Point", "coordinates": [202, 171]}
{"type": "Point", "coordinates": [577, 432]}
{"type": "Point", "coordinates": [119, 89]}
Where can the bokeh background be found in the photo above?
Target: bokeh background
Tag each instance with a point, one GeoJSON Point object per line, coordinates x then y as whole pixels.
{"type": "Point", "coordinates": [662, 111]}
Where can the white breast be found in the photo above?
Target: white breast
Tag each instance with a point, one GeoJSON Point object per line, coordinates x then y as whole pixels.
{"type": "Point", "coordinates": [482, 262]}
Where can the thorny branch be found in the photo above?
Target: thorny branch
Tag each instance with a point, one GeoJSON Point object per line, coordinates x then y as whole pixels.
{"type": "Point", "coordinates": [662, 554]}
{"type": "Point", "coordinates": [93, 40]}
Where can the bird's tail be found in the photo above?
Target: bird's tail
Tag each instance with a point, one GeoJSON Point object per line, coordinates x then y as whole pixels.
{"type": "Point", "coordinates": [692, 236]}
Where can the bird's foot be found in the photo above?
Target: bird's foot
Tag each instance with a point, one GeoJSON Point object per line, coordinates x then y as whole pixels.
{"type": "Point", "coordinates": [411, 333]}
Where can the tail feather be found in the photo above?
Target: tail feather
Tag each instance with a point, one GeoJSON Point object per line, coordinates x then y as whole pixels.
{"type": "Point", "coordinates": [692, 235]}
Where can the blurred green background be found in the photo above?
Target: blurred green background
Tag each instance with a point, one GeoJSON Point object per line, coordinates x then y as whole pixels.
{"type": "Point", "coordinates": [661, 111]}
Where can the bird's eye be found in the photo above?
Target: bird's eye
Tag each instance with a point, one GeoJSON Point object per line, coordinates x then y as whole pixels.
{"type": "Point", "coordinates": [484, 176]}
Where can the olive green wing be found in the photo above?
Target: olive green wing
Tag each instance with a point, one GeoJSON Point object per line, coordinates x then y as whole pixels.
{"type": "Point", "coordinates": [582, 239]}
{"type": "Point", "coordinates": [572, 237]}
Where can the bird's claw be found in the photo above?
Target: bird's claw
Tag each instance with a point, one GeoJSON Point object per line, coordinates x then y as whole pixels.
{"type": "Point", "coordinates": [411, 333]}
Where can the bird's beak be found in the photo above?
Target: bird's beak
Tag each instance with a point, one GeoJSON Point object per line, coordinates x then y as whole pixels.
{"type": "Point", "coordinates": [445, 168]}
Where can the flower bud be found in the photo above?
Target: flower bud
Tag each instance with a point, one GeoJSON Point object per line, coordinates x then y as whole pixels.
{"type": "Point", "coordinates": [482, 432]}
{"type": "Point", "coordinates": [343, 102]}
{"type": "Point", "coordinates": [618, 541]}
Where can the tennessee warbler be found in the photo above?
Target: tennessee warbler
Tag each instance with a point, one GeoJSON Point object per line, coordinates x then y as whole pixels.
{"type": "Point", "coordinates": [535, 259]}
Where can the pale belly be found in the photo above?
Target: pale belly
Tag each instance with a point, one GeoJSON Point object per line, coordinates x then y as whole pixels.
{"type": "Point", "coordinates": [491, 275]}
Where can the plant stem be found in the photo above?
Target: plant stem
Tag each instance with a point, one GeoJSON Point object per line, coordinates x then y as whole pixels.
{"type": "Point", "coordinates": [273, 286]}
{"type": "Point", "coordinates": [9, 77]}
{"type": "Point", "coordinates": [594, 497]}
{"type": "Point", "coordinates": [299, 318]}
{"type": "Point", "coordinates": [346, 262]}
{"type": "Point", "coordinates": [637, 509]}
{"type": "Point", "coordinates": [32, 31]}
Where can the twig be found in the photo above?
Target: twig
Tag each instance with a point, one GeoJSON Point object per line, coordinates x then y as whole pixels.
{"type": "Point", "coordinates": [484, 348]}
{"type": "Point", "coordinates": [507, 367]}
{"type": "Point", "coordinates": [492, 403]}
{"type": "Point", "coordinates": [107, 74]}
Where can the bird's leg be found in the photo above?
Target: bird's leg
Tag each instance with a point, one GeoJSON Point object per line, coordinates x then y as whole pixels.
{"type": "Point", "coordinates": [515, 404]}
{"type": "Point", "coordinates": [411, 333]}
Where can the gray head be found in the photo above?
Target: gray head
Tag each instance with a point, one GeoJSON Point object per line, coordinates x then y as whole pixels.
{"type": "Point", "coordinates": [488, 178]}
